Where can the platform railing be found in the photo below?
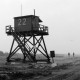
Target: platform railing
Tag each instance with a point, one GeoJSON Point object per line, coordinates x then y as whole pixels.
{"type": "Point", "coordinates": [41, 28]}
{"type": "Point", "coordinates": [9, 29]}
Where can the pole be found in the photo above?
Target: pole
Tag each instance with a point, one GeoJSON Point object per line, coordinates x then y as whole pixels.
{"type": "Point", "coordinates": [21, 9]}
{"type": "Point", "coordinates": [34, 12]}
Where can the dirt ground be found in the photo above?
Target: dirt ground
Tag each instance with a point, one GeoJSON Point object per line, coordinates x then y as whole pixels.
{"type": "Point", "coordinates": [66, 69]}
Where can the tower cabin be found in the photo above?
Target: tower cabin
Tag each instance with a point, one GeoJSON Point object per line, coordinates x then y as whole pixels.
{"type": "Point", "coordinates": [29, 24]}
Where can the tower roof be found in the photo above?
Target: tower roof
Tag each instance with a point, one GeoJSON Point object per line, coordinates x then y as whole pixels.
{"type": "Point", "coordinates": [27, 16]}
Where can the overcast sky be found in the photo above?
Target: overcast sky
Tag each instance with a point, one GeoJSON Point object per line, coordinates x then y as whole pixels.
{"type": "Point", "coordinates": [61, 16]}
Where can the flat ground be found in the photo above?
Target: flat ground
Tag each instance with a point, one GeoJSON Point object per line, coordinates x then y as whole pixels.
{"type": "Point", "coordinates": [68, 68]}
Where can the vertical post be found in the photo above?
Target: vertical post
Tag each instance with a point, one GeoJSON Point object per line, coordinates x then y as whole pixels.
{"type": "Point", "coordinates": [46, 49]}
{"type": "Point", "coordinates": [21, 9]}
{"type": "Point", "coordinates": [34, 47]}
{"type": "Point", "coordinates": [8, 58]}
{"type": "Point", "coordinates": [34, 12]}
{"type": "Point", "coordinates": [24, 49]}
{"type": "Point", "coordinates": [52, 60]}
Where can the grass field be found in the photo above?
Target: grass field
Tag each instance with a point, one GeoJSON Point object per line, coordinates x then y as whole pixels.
{"type": "Point", "coordinates": [68, 68]}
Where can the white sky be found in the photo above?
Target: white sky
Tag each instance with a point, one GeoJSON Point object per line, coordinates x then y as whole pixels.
{"type": "Point", "coordinates": [61, 16]}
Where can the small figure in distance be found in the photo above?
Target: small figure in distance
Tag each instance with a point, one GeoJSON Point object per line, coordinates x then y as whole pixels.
{"type": "Point", "coordinates": [73, 54]}
{"type": "Point", "coordinates": [68, 54]}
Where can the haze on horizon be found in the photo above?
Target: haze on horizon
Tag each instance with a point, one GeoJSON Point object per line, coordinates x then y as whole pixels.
{"type": "Point", "coordinates": [61, 16]}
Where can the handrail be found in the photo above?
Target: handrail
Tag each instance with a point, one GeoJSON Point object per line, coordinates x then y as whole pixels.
{"type": "Point", "coordinates": [41, 28]}
{"type": "Point", "coordinates": [9, 29]}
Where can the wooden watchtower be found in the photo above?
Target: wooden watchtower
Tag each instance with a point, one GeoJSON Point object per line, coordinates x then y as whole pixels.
{"type": "Point", "coordinates": [28, 33]}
